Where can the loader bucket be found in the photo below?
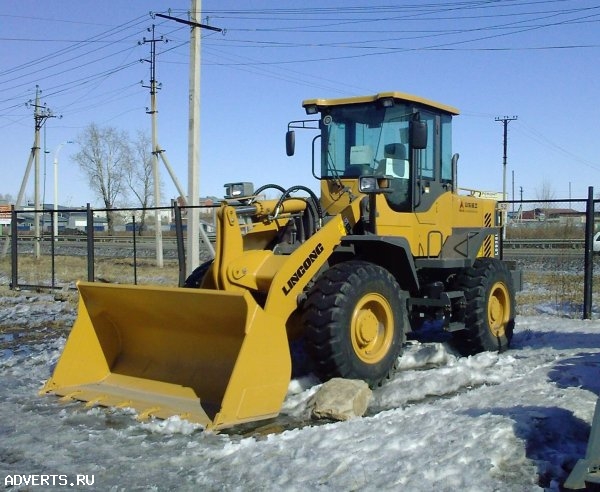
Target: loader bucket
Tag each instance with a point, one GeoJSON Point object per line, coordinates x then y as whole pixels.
{"type": "Point", "coordinates": [211, 357]}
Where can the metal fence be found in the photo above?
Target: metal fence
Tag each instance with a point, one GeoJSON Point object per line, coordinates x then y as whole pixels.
{"type": "Point", "coordinates": [57, 258]}
{"type": "Point", "coordinates": [552, 243]}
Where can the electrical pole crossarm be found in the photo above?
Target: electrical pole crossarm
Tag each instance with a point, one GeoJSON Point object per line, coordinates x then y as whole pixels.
{"type": "Point", "coordinates": [190, 23]}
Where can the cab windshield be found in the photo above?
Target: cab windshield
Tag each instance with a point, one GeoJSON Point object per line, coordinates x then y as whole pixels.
{"type": "Point", "coordinates": [361, 139]}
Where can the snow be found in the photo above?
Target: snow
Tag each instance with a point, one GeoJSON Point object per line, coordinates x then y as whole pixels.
{"type": "Point", "coordinates": [516, 421]}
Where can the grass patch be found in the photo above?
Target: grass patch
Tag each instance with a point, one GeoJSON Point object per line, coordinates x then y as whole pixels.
{"type": "Point", "coordinates": [555, 291]}
{"type": "Point", "coordinates": [69, 269]}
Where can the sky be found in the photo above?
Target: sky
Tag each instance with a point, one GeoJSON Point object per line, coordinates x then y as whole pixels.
{"type": "Point", "coordinates": [516, 421]}
{"type": "Point", "coordinates": [534, 60]}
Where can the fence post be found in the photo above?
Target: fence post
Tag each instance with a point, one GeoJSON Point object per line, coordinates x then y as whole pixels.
{"type": "Point", "coordinates": [588, 263]}
{"type": "Point", "coordinates": [180, 245]}
{"type": "Point", "coordinates": [134, 251]}
{"type": "Point", "coordinates": [90, 243]}
{"type": "Point", "coordinates": [14, 258]}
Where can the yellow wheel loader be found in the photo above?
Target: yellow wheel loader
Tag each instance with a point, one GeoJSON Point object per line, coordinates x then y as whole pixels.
{"type": "Point", "coordinates": [389, 247]}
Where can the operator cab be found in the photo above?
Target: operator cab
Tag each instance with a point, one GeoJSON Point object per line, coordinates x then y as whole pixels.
{"type": "Point", "coordinates": [405, 138]}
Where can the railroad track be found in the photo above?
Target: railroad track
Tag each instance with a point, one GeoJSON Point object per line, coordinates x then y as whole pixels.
{"type": "Point", "coordinates": [508, 243]}
{"type": "Point", "coordinates": [70, 244]}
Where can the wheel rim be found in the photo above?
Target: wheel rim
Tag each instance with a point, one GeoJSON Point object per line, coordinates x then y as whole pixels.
{"type": "Point", "coordinates": [372, 328]}
{"type": "Point", "coordinates": [498, 309]}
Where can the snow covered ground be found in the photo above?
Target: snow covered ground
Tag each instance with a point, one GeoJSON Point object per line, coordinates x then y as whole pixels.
{"type": "Point", "coordinates": [516, 421]}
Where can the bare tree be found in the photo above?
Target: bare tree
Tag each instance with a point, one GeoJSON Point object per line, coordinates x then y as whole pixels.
{"type": "Point", "coordinates": [104, 158]}
{"type": "Point", "coordinates": [543, 194]}
{"type": "Point", "coordinates": [7, 198]}
{"type": "Point", "coordinates": [139, 174]}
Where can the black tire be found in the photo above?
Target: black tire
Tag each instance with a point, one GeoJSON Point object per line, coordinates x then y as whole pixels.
{"type": "Point", "coordinates": [353, 317]}
{"type": "Point", "coordinates": [490, 307]}
{"type": "Point", "coordinates": [194, 281]}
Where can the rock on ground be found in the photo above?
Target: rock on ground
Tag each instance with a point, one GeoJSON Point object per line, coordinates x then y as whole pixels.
{"type": "Point", "coordinates": [340, 399]}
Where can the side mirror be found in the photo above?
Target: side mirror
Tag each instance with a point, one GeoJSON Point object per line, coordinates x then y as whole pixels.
{"type": "Point", "coordinates": [290, 142]}
{"type": "Point", "coordinates": [418, 134]}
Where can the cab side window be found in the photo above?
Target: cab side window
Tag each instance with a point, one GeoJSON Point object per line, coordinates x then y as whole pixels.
{"type": "Point", "coordinates": [446, 152]}
{"type": "Point", "coordinates": [427, 156]}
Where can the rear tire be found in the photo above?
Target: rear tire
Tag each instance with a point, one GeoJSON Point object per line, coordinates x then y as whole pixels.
{"type": "Point", "coordinates": [353, 318]}
{"type": "Point", "coordinates": [490, 307]}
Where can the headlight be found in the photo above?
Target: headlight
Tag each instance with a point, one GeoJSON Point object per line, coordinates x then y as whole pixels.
{"type": "Point", "coordinates": [373, 184]}
{"type": "Point", "coordinates": [235, 191]}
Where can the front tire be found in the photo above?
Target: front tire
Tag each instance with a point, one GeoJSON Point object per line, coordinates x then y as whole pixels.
{"type": "Point", "coordinates": [490, 307]}
{"type": "Point", "coordinates": [195, 279]}
{"type": "Point", "coordinates": [353, 318]}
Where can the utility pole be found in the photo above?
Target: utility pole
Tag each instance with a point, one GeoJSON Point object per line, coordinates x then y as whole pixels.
{"type": "Point", "coordinates": [193, 199]}
{"type": "Point", "coordinates": [55, 213]}
{"type": "Point", "coordinates": [569, 190]}
{"type": "Point", "coordinates": [157, 151]}
{"type": "Point", "coordinates": [155, 174]}
{"type": "Point", "coordinates": [40, 114]}
{"type": "Point", "coordinates": [513, 191]}
{"type": "Point", "coordinates": [193, 214]}
{"type": "Point", "coordinates": [505, 120]}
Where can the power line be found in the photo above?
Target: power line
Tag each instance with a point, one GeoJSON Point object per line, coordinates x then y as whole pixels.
{"type": "Point", "coordinates": [76, 46]}
{"type": "Point", "coordinates": [543, 140]}
{"type": "Point", "coordinates": [471, 15]}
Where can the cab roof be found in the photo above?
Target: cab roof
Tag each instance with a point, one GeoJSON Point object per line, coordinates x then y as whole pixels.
{"type": "Point", "coordinates": [399, 96]}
